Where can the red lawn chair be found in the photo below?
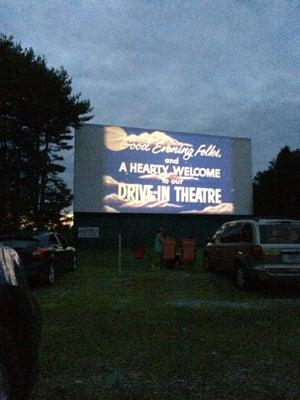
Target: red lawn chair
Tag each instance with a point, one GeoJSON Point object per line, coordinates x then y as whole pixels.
{"type": "Point", "coordinates": [169, 252]}
{"type": "Point", "coordinates": [188, 251]}
{"type": "Point", "coordinates": [139, 253]}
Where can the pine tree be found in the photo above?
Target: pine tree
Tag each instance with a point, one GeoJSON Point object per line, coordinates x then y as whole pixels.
{"type": "Point", "coordinates": [37, 114]}
{"type": "Point", "coordinates": [277, 190]}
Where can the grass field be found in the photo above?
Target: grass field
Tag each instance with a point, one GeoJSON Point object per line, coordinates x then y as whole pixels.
{"type": "Point", "coordinates": [165, 334]}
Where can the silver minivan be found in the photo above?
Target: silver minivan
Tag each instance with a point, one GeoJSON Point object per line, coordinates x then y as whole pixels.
{"type": "Point", "coordinates": [263, 249]}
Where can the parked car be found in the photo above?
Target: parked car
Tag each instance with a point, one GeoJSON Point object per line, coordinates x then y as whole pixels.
{"type": "Point", "coordinates": [19, 330]}
{"type": "Point", "coordinates": [265, 249]}
{"type": "Point", "coordinates": [44, 255]}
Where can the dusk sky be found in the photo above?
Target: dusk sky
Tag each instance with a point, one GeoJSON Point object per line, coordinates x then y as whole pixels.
{"type": "Point", "coordinates": [218, 67]}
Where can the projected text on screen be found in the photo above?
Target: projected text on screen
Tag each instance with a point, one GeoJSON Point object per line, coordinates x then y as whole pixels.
{"type": "Point", "coordinates": [166, 172]}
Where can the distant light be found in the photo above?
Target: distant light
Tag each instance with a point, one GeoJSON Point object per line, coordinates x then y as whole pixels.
{"type": "Point", "coordinates": [67, 219]}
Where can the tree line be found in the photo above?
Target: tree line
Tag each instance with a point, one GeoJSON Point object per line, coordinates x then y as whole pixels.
{"type": "Point", "coordinates": [276, 191]}
{"type": "Point", "coordinates": [38, 111]}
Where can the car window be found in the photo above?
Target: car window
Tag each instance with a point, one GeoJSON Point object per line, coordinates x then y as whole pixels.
{"type": "Point", "coordinates": [218, 234]}
{"type": "Point", "coordinates": [247, 233]}
{"type": "Point", "coordinates": [62, 240]}
{"type": "Point", "coordinates": [284, 233]}
{"type": "Point", "coordinates": [232, 233]}
{"type": "Point", "coordinates": [43, 240]}
{"type": "Point", "coordinates": [52, 240]}
{"type": "Point", "coordinates": [20, 243]}
{"type": "Point", "coordinates": [226, 235]}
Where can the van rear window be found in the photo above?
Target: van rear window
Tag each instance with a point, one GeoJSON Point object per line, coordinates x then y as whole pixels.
{"type": "Point", "coordinates": [280, 233]}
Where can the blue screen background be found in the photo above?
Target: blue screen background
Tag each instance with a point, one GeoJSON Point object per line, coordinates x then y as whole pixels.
{"type": "Point", "coordinates": [112, 161]}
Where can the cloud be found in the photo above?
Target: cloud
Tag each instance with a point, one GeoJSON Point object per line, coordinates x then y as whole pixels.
{"type": "Point", "coordinates": [117, 139]}
{"type": "Point", "coordinates": [109, 181]}
{"type": "Point", "coordinates": [168, 176]}
{"type": "Point", "coordinates": [109, 209]}
{"type": "Point", "coordinates": [217, 67]}
{"type": "Point", "coordinates": [151, 203]}
{"type": "Point", "coordinates": [224, 208]}
{"type": "Point", "coordinates": [156, 137]}
{"type": "Point", "coordinates": [119, 202]}
{"type": "Point", "coordinates": [112, 198]}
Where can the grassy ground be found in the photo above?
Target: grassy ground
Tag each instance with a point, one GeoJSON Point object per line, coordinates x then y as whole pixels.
{"type": "Point", "coordinates": [165, 334]}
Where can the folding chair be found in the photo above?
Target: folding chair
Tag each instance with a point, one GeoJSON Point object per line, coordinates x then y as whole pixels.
{"type": "Point", "coordinates": [188, 251]}
{"type": "Point", "coordinates": [169, 252]}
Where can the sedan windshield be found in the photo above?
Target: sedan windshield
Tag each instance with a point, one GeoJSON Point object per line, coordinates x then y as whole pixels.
{"type": "Point", "coordinates": [280, 233]}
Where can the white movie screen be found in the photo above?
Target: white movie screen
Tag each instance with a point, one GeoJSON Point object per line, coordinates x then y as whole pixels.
{"type": "Point", "coordinates": [166, 172]}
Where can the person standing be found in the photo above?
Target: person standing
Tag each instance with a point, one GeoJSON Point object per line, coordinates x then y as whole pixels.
{"type": "Point", "coordinates": [158, 246]}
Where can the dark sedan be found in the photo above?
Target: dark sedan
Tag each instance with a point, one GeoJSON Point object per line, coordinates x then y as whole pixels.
{"type": "Point", "coordinates": [45, 255]}
{"type": "Point", "coordinates": [19, 330]}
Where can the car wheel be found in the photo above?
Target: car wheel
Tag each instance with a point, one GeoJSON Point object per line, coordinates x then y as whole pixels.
{"type": "Point", "coordinates": [51, 274]}
{"type": "Point", "coordinates": [241, 278]}
{"type": "Point", "coordinates": [11, 377]}
{"type": "Point", "coordinates": [207, 264]}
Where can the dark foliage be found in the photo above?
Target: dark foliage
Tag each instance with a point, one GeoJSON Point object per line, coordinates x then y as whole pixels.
{"type": "Point", "coordinates": [277, 190]}
{"type": "Point", "coordinates": [37, 112]}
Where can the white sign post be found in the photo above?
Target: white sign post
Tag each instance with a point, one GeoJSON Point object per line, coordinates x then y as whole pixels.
{"type": "Point", "coordinates": [120, 254]}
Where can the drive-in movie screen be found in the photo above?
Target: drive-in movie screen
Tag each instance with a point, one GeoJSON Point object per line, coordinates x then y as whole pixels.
{"type": "Point", "coordinates": [148, 171]}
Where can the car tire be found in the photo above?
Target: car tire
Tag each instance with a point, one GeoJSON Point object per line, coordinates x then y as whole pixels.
{"type": "Point", "coordinates": [207, 264]}
{"type": "Point", "coordinates": [11, 377]}
{"type": "Point", "coordinates": [241, 278]}
{"type": "Point", "coordinates": [51, 274]}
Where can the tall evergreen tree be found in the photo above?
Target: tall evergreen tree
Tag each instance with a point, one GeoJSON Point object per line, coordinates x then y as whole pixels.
{"type": "Point", "coordinates": [277, 190]}
{"type": "Point", "coordinates": [37, 113]}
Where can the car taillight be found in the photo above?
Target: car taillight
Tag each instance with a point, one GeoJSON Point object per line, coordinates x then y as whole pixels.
{"type": "Point", "coordinates": [39, 252]}
{"type": "Point", "coordinates": [257, 252]}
